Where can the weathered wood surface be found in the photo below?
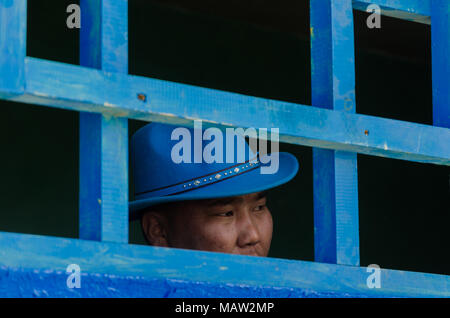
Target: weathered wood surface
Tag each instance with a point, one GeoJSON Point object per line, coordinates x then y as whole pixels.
{"type": "Point", "coordinates": [440, 51]}
{"type": "Point", "coordinates": [103, 199]}
{"type": "Point", "coordinates": [115, 94]}
{"type": "Point", "coordinates": [335, 173]}
{"type": "Point", "coordinates": [13, 37]}
{"type": "Point", "coordinates": [32, 265]}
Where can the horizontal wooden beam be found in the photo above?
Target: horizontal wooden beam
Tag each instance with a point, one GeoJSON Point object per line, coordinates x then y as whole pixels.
{"type": "Point", "coordinates": [32, 265]}
{"type": "Point", "coordinates": [114, 94]}
{"type": "Point", "coordinates": [411, 10]}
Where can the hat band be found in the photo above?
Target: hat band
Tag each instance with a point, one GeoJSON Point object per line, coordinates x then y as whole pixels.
{"type": "Point", "coordinates": [200, 182]}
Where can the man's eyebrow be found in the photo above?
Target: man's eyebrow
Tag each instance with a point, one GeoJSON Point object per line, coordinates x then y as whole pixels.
{"type": "Point", "coordinates": [222, 201]}
{"type": "Point", "coordinates": [225, 201]}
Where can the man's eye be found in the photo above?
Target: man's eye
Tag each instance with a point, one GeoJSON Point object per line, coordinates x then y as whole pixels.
{"type": "Point", "coordinates": [260, 207]}
{"type": "Point", "coordinates": [229, 213]}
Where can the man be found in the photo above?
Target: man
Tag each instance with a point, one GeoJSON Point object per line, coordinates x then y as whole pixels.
{"type": "Point", "coordinates": [212, 205]}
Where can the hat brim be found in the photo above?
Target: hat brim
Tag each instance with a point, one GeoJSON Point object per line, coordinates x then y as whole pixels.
{"type": "Point", "coordinates": [245, 183]}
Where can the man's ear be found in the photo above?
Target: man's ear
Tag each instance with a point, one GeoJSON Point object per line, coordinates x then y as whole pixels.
{"type": "Point", "coordinates": [154, 225]}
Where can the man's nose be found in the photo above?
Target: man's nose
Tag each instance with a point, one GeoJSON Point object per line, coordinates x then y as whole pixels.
{"type": "Point", "coordinates": [248, 231]}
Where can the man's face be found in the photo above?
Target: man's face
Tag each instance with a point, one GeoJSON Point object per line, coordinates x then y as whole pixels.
{"type": "Point", "coordinates": [235, 225]}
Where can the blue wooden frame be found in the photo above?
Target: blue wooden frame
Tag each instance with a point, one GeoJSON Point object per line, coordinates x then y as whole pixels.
{"type": "Point", "coordinates": [106, 96]}
{"type": "Point", "coordinates": [336, 228]}
{"type": "Point", "coordinates": [104, 139]}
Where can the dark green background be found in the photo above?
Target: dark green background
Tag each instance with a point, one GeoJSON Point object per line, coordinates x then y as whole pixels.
{"type": "Point", "coordinates": [404, 206]}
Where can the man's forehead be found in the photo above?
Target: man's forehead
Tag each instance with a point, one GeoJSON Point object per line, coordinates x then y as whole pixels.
{"type": "Point", "coordinates": [236, 199]}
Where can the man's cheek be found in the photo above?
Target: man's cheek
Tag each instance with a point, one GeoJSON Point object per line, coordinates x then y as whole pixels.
{"type": "Point", "coordinates": [219, 238]}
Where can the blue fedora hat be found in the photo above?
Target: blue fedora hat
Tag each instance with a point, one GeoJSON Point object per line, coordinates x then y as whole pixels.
{"type": "Point", "coordinates": [161, 178]}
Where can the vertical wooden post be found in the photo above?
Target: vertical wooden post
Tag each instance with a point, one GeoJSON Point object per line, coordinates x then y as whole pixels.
{"type": "Point", "coordinates": [13, 39]}
{"type": "Point", "coordinates": [440, 50]}
{"type": "Point", "coordinates": [104, 140]}
{"type": "Point", "coordinates": [336, 224]}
